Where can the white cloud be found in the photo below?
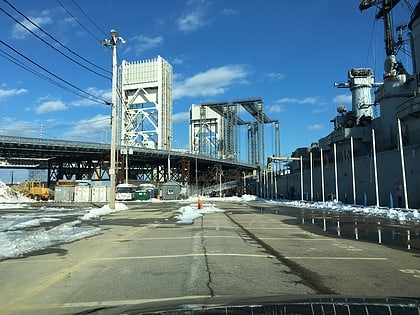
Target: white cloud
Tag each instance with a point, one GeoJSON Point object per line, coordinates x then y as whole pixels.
{"type": "Point", "coordinates": [90, 127]}
{"type": "Point", "coordinates": [102, 94]}
{"type": "Point", "coordinates": [229, 11]}
{"type": "Point", "coordinates": [314, 127]}
{"type": "Point", "coordinates": [11, 127]}
{"type": "Point", "coordinates": [277, 108]}
{"type": "Point", "coordinates": [143, 43]}
{"type": "Point", "coordinates": [307, 100]}
{"type": "Point", "coordinates": [181, 117]}
{"type": "Point", "coordinates": [321, 109]}
{"type": "Point", "coordinates": [177, 61]}
{"type": "Point", "coordinates": [342, 99]}
{"type": "Point", "coordinates": [19, 32]}
{"type": "Point", "coordinates": [212, 82]}
{"type": "Point", "coordinates": [11, 92]}
{"type": "Point", "coordinates": [194, 18]}
{"type": "Point", "coordinates": [190, 22]}
{"type": "Point", "coordinates": [274, 76]}
{"type": "Point", "coordinates": [51, 106]}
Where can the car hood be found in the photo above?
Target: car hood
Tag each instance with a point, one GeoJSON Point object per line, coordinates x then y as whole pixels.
{"type": "Point", "coordinates": [273, 304]}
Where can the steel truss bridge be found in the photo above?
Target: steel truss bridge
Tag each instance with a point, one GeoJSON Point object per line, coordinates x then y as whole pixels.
{"type": "Point", "coordinates": [90, 161]}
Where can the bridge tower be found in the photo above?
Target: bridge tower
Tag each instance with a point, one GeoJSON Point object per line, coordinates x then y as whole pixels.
{"type": "Point", "coordinates": [146, 104]}
{"type": "Point", "coordinates": [214, 130]}
{"type": "Point", "coordinates": [206, 128]}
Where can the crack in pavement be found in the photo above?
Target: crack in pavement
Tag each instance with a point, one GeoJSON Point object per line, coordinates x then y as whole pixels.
{"type": "Point", "coordinates": [206, 259]}
{"type": "Point", "coordinates": [309, 278]}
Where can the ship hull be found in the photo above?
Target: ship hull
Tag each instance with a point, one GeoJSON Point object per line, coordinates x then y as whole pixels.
{"type": "Point", "coordinates": [389, 179]}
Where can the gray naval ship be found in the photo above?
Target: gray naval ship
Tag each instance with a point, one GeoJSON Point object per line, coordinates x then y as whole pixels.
{"type": "Point", "coordinates": [367, 160]}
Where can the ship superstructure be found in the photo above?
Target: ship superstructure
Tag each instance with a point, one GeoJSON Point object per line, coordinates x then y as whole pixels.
{"type": "Point", "coordinates": [367, 159]}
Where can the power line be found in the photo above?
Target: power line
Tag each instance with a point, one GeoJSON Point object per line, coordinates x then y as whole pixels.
{"type": "Point", "coordinates": [78, 22]}
{"type": "Point", "coordinates": [18, 63]}
{"type": "Point", "coordinates": [41, 39]}
{"type": "Point", "coordinates": [77, 6]}
{"type": "Point", "coordinates": [55, 40]}
{"type": "Point", "coordinates": [91, 96]}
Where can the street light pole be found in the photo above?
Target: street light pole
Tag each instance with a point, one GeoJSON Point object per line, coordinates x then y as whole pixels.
{"type": "Point", "coordinates": [112, 43]}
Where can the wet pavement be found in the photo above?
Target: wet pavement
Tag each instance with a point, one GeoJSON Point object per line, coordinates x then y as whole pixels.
{"type": "Point", "coordinates": [393, 233]}
{"type": "Point", "coordinates": [252, 249]}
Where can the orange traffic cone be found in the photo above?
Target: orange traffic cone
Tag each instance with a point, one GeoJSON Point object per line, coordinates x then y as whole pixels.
{"type": "Point", "coordinates": [199, 203]}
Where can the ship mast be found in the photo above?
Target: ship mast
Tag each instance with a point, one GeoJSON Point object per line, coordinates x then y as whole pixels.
{"type": "Point", "coordinates": [389, 38]}
{"type": "Point", "coordinates": [385, 7]}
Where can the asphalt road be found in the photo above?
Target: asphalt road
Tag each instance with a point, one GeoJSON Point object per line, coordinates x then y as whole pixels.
{"type": "Point", "coordinates": [143, 255]}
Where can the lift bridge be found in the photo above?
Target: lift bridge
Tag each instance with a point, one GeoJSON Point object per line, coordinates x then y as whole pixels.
{"type": "Point", "coordinates": [145, 136]}
{"type": "Point", "coordinates": [90, 161]}
{"type": "Point", "coordinates": [214, 129]}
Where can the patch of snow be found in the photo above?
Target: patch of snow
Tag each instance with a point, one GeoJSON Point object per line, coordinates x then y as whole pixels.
{"type": "Point", "coordinates": [188, 214]}
{"type": "Point", "coordinates": [19, 224]}
{"type": "Point", "coordinates": [96, 212]}
{"type": "Point", "coordinates": [338, 206]}
{"type": "Point", "coordinates": [43, 227]}
{"type": "Point", "coordinates": [18, 242]}
{"type": "Point", "coordinates": [249, 197]}
{"type": "Point", "coordinates": [9, 195]}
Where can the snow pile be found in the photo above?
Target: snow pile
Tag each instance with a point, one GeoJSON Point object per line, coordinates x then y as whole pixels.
{"type": "Point", "coordinates": [8, 195]}
{"type": "Point", "coordinates": [338, 206]}
{"type": "Point", "coordinates": [188, 214]}
{"type": "Point", "coordinates": [46, 227]}
{"type": "Point", "coordinates": [18, 242]}
{"type": "Point", "coordinates": [18, 224]}
{"type": "Point", "coordinates": [96, 212]}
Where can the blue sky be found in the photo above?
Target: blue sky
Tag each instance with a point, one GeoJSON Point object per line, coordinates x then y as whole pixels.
{"type": "Point", "coordinates": [289, 53]}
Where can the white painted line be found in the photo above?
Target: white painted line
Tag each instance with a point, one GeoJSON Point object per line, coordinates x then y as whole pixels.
{"type": "Point", "coordinates": [220, 227]}
{"type": "Point", "coordinates": [183, 256]}
{"type": "Point", "coordinates": [337, 258]}
{"type": "Point", "coordinates": [277, 228]}
{"type": "Point", "coordinates": [184, 237]}
{"type": "Point", "coordinates": [295, 239]}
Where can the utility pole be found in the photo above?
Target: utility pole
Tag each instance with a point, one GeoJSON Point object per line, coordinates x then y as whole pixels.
{"type": "Point", "coordinates": [169, 158]}
{"type": "Point", "coordinates": [112, 43]}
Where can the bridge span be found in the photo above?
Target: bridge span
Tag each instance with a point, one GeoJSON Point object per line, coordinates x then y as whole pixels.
{"type": "Point", "coordinates": [90, 161]}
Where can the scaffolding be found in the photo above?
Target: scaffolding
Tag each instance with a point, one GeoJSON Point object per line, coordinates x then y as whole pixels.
{"type": "Point", "coordinates": [145, 109]}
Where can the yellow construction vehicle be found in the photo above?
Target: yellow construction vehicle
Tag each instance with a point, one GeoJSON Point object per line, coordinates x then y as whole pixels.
{"type": "Point", "coordinates": [34, 189]}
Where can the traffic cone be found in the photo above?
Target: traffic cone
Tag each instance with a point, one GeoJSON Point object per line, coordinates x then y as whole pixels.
{"type": "Point", "coordinates": [199, 203]}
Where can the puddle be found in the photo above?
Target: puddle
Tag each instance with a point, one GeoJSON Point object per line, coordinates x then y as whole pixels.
{"type": "Point", "coordinates": [369, 229]}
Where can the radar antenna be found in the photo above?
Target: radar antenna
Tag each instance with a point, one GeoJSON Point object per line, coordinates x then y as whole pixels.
{"type": "Point", "coordinates": [385, 7]}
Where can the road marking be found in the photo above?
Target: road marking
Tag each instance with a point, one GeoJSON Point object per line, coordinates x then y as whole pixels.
{"type": "Point", "coordinates": [348, 247]}
{"type": "Point", "coordinates": [183, 256]}
{"type": "Point", "coordinates": [414, 272]}
{"type": "Point", "coordinates": [277, 228]}
{"type": "Point", "coordinates": [64, 273]}
{"type": "Point", "coordinates": [295, 239]}
{"type": "Point", "coordinates": [337, 258]}
{"type": "Point", "coordinates": [219, 227]}
{"type": "Point", "coordinates": [184, 237]}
